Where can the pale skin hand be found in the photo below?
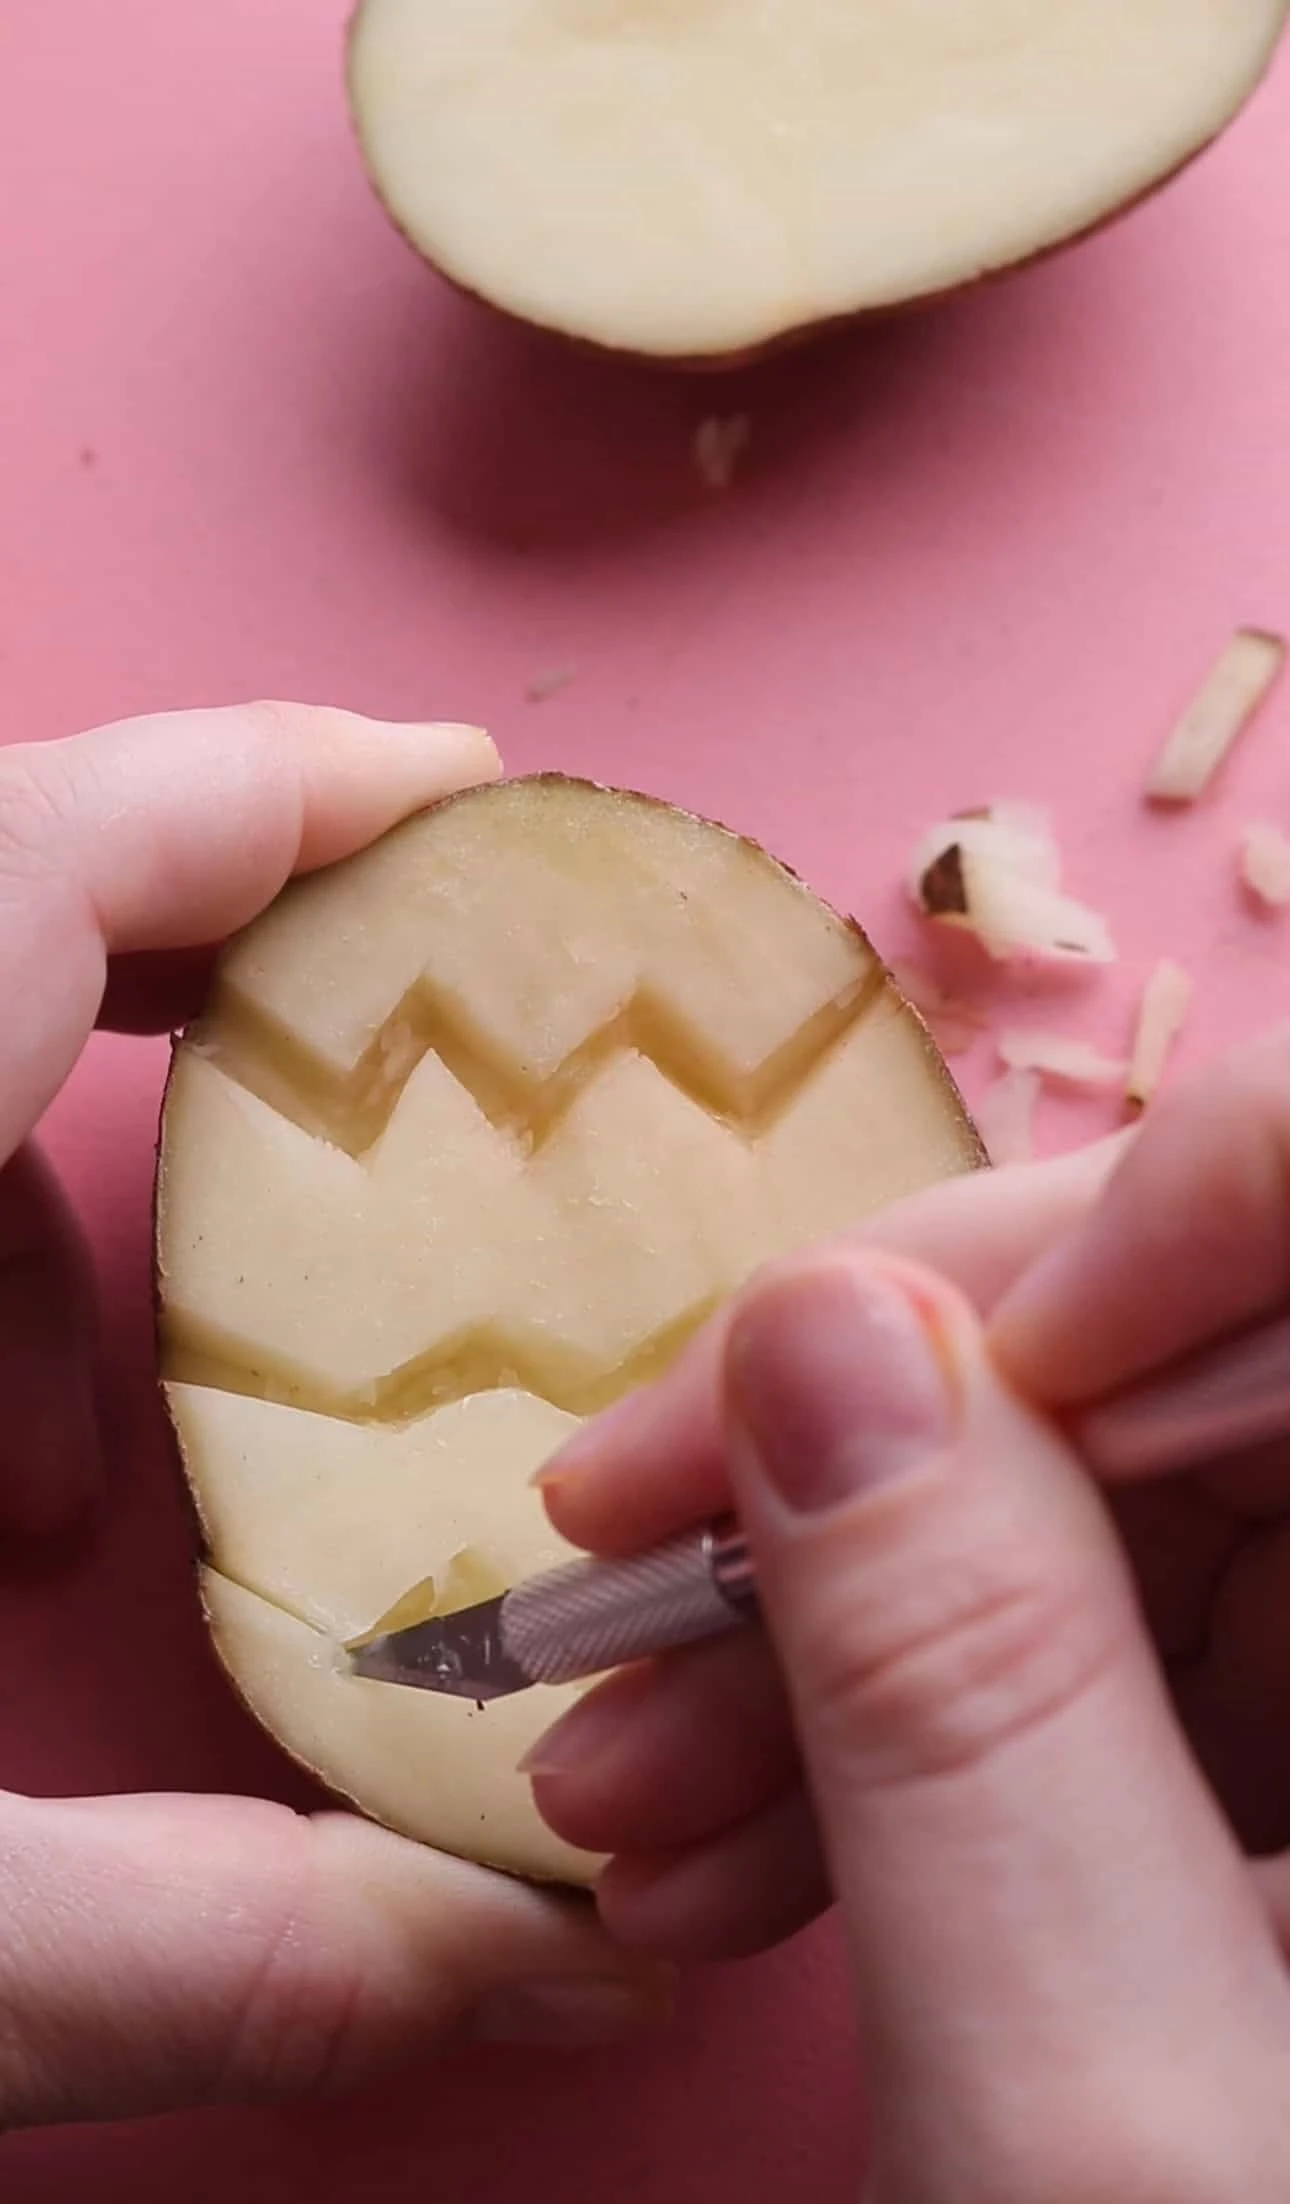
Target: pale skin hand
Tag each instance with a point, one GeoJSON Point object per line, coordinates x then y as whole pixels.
{"type": "Point", "coordinates": [1069, 1949]}
{"type": "Point", "coordinates": [155, 1951]}
{"type": "Point", "coordinates": [158, 1951]}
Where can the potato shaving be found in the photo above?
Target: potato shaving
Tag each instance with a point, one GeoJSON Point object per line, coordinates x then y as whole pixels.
{"type": "Point", "coordinates": [1005, 1117]}
{"type": "Point", "coordinates": [1265, 864]}
{"type": "Point", "coordinates": [996, 874]}
{"type": "Point", "coordinates": [1227, 701]}
{"type": "Point", "coordinates": [1166, 999]}
{"type": "Point", "coordinates": [1057, 1056]}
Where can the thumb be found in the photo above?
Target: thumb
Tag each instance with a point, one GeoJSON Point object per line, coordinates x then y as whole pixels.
{"type": "Point", "coordinates": [158, 1952]}
{"type": "Point", "coordinates": [1046, 1913]}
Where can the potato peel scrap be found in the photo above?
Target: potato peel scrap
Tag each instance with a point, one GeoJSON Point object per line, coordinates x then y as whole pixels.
{"type": "Point", "coordinates": [995, 873]}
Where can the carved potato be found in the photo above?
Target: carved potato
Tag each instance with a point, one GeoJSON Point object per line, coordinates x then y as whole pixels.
{"type": "Point", "coordinates": [477, 1127]}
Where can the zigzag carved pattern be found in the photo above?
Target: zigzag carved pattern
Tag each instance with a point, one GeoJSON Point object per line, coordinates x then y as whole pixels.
{"type": "Point", "coordinates": [354, 1114]}
{"type": "Point", "coordinates": [483, 1360]}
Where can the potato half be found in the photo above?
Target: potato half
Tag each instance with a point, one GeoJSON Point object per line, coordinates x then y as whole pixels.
{"type": "Point", "coordinates": [477, 1127]}
{"type": "Point", "coordinates": [697, 180]}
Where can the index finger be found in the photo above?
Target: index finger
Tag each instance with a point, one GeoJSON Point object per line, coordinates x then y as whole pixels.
{"type": "Point", "coordinates": [170, 833]}
{"type": "Point", "coordinates": [1190, 1243]}
{"type": "Point", "coordinates": [656, 1462]}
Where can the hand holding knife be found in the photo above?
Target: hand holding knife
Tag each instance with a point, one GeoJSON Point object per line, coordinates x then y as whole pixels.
{"type": "Point", "coordinates": [589, 1616]}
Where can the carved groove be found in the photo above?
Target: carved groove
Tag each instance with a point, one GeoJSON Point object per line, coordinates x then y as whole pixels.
{"type": "Point", "coordinates": [480, 1361]}
{"type": "Point", "coordinates": [352, 1114]}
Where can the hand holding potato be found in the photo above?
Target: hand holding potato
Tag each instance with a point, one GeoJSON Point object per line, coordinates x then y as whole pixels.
{"type": "Point", "coordinates": [156, 1951]}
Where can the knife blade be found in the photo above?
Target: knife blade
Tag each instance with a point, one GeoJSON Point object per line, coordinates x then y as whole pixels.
{"type": "Point", "coordinates": [589, 1616]}
{"type": "Point", "coordinates": [573, 1622]}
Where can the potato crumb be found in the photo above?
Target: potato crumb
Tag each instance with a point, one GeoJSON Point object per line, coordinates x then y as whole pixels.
{"type": "Point", "coordinates": [544, 685]}
{"type": "Point", "coordinates": [720, 441]}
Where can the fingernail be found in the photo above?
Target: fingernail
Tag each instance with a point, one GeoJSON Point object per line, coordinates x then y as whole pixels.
{"type": "Point", "coordinates": [467, 751]}
{"type": "Point", "coordinates": [569, 2015]}
{"type": "Point", "coordinates": [600, 1434]}
{"type": "Point", "coordinates": [580, 1736]}
{"type": "Point", "coordinates": [836, 1384]}
{"type": "Point", "coordinates": [453, 752]}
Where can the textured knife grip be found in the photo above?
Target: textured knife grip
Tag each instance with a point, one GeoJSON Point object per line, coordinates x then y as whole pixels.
{"type": "Point", "coordinates": [594, 1615]}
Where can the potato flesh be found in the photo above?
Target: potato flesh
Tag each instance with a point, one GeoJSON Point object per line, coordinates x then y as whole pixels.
{"type": "Point", "coordinates": [695, 177]}
{"type": "Point", "coordinates": [438, 1769]}
{"type": "Point", "coordinates": [319, 1527]}
{"type": "Point", "coordinates": [480, 1125]}
{"type": "Point", "coordinates": [370, 1280]}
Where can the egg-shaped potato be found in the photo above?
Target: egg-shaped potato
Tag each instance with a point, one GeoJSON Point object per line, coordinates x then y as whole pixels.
{"type": "Point", "coordinates": [476, 1128]}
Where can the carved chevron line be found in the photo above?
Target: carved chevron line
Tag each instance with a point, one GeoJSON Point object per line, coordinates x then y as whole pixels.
{"type": "Point", "coordinates": [483, 1360]}
{"type": "Point", "coordinates": [352, 1114]}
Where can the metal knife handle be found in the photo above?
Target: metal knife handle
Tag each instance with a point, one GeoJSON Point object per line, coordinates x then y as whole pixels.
{"type": "Point", "coordinates": [594, 1615]}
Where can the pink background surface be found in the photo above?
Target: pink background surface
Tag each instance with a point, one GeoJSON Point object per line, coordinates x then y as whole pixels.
{"type": "Point", "coordinates": [248, 446]}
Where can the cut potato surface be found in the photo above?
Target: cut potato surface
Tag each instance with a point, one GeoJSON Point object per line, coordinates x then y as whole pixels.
{"type": "Point", "coordinates": [698, 178]}
{"type": "Point", "coordinates": [477, 1128]}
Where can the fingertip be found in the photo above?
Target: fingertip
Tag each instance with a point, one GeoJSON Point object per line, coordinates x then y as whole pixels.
{"type": "Point", "coordinates": [365, 775]}
{"type": "Point", "coordinates": [439, 756]}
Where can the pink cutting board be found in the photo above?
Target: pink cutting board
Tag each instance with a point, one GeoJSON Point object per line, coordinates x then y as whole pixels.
{"type": "Point", "coordinates": [248, 446]}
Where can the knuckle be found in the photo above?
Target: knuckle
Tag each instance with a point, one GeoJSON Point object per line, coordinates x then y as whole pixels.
{"type": "Point", "coordinates": [32, 817]}
{"type": "Point", "coordinates": [290, 2041]}
{"type": "Point", "coordinates": [294, 2027]}
{"type": "Point", "coordinates": [963, 1667]}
